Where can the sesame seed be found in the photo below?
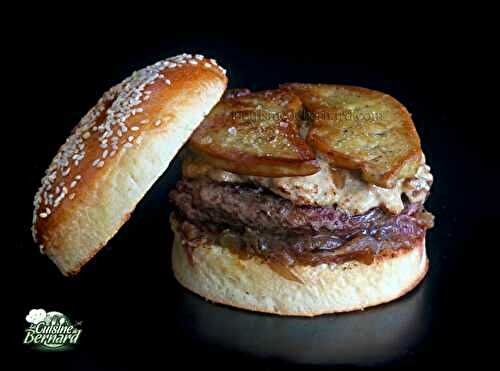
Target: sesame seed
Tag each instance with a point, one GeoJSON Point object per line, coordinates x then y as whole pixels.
{"type": "Point", "coordinates": [78, 177]}
{"type": "Point", "coordinates": [73, 184]}
{"type": "Point", "coordinates": [167, 81]}
{"type": "Point", "coordinates": [144, 121]}
{"type": "Point", "coordinates": [100, 164]}
{"type": "Point", "coordinates": [208, 65]}
{"type": "Point", "coordinates": [43, 215]}
{"type": "Point", "coordinates": [206, 140]}
{"type": "Point", "coordinates": [134, 128]}
{"type": "Point", "coordinates": [157, 122]}
{"type": "Point", "coordinates": [71, 196]}
{"type": "Point", "coordinates": [232, 130]}
{"type": "Point", "coordinates": [57, 201]}
{"type": "Point", "coordinates": [192, 61]}
{"type": "Point", "coordinates": [96, 161]}
{"type": "Point", "coordinates": [86, 135]}
{"type": "Point", "coordinates": [130, 138]}
{"type": "Point", "coordinates": [199, 57]}
{"type": "Point", "coordinates": [105, 154]}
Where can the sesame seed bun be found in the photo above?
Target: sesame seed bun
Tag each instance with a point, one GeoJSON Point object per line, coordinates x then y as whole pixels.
{"type": "Point", "coordinates": [116, 153]}
{"type": "Point", "coordinates": [219, 275]}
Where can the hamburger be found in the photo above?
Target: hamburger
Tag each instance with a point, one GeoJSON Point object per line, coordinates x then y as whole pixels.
{"type": "Point", "coordinates": [303, 200]}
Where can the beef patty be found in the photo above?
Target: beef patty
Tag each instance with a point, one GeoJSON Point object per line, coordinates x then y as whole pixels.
{"type": "Point", "coordinates": [251, 221]}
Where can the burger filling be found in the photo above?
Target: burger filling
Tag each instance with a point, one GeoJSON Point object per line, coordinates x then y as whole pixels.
{"type": "Point", "coordinates": [329, 217]}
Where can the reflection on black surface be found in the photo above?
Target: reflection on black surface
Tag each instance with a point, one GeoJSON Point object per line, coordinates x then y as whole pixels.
{"type": "Point", "coordinates": [377, 335]}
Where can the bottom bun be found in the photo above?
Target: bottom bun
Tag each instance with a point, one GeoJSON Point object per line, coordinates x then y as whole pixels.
{"type": "Point", "coordinates": [221, 276]}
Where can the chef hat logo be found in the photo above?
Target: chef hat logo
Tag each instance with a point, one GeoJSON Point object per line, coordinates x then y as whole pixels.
{"type": "Point", "coordinates": [56, 318]}
{"type": "Point", "coordinates": [36, 316]}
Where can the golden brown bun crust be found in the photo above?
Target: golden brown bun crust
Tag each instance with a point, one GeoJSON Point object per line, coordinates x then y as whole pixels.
{"type": "Point", "coordinates": [116, 153]}
{"type": "Point", "coordinates": [220, 276]}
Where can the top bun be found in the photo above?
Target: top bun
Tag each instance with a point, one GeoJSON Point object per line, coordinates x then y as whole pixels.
{"type": "Point", "coordinates": [116, 153]}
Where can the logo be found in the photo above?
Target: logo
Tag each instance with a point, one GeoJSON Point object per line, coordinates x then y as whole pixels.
{"type": "Point", "coordinates": [50, 331]}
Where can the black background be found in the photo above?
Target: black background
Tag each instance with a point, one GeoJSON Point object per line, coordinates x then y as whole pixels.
{"type": "Point", "coordinates": [133, 313]}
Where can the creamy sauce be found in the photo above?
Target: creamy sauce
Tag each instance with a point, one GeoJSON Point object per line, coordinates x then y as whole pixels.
{"type": "Point", "coordinates": [329, 186]}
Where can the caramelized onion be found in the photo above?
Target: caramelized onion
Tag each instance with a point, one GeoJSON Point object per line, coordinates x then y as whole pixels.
{"type": "Point", "coordinates": [284, 271]}
{"type": "Point", "coordinates": [426, 218]}
{"type": "Point", "coordinates": [283, 251]}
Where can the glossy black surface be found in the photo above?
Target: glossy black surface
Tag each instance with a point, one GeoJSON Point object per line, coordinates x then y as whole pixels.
{"type": "Point", "coordinates": [133, 312]}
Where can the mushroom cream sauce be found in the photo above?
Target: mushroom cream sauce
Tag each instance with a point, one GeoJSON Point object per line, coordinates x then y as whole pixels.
{"type": "Point", "coordinates": [328, 187]}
